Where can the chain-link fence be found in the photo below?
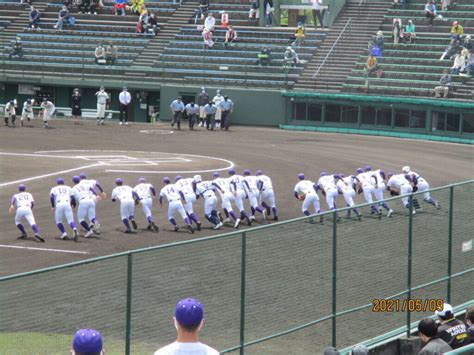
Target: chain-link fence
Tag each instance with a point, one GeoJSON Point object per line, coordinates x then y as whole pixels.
{"type": "Point", "coordinates": [290, 287]}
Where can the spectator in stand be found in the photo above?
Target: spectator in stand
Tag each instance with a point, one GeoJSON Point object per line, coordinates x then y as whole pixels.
{"type": "Point", "coordinates": [453, 48]}
{"type": "Point", "coordinates": [444, 85]}
{"type": "Point", "coordinates": [87, 342]}
{"type": "Point", "coordinates": [459, 64]}
{"type": "Point", "coordinates": [34, 18]}
{"type": "Point", "coordinates": [290, 57]}
{"type": "Point", "coordinates": [456, 31]}
{"type": "Point", "coordinates": [201, 10]}
{"type": "Point", "coordinates": [410, 32]}
{"type": "Point", "coordinates": [230, 37]}
{"type": "Point", "coordinates": [84, 6]}
{"type": "Point", "coordinates": [430, 11]}
{"type": "Point", "coordinates": [210, 22]}
{"type": "Point", "coordinates": [269, 10]}
{"type": "Point", "coordinates": [63, 18]}
{"type": "Point", "coordinates": [470, 323]}
{"type": "Point", "coordinates": [67, 3]}
{"type": "Point", "coordinates": [188, 321]}
{"type": "Point", "coordinates": [96, 5]}
{"type": "Point", "coordinates": [152, 26]}
{"type": "Point", "coordinates": [397, 31]}
{"type": "Point", "coordinates": [445, 4]}
{"type": "Point", "coordinates": [254, 12]}
{"type": "Point", "coordinates": [469, 64]}
{"type": "Point", "coordinates": [468, 43]}
{"type": "Point", "coordinates": [428, 333]}
{"type": "Point", "coordinates": [207, 38]}
{"type": "Point", "coordinates": [264, 57]}
{"type": "Point", "coordinates": [359, 349]}
{"type": "Point", "coordinates": [137, 6]}
{"type": "Point", "coordinates": [111, 54]}
{"type": "Point", "coordinates": [371, 66]}
{"type": "Point", "coordinates": [450, 329]}
{"type": "Point", "coordinates": [318, 12]}
{"type": "Point", "coordinates": [120, 6]}
{"type": "Point", "coordinates": [16, 49]}
{"type": "Point", "coordinates": [99, 54]}
{"type": "Point", "coordinates": [299, 35]}
{"type": "Point", "coordinates": [144, 15]}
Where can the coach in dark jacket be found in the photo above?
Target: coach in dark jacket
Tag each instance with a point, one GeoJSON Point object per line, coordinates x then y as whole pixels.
{"type": "Point", "coordinates": [428, 333]}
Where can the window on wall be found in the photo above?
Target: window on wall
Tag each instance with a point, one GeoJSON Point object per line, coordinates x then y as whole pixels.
{"type": "Point", "coordinates": [418, 119]}
{"type": "Point", "coordinates": [333, 113]}
{"type": "Point", "coordinates": [299, 111]}
{"type": "Point", "coordinates": [453, 121]}
{"type": "Point", "coordinates": [315, 112]}
{"type": "Point", "coordinates": [402, 118]}
{"type": "Point", "coordinates": [468, 123]}
{"type": "Point", "coordinates": [384, 117]}
{"type": "Point", "coordinates": [369, 115]}
{"type": "Point", "coordinates": [350, 114]}
{"type": "Point", "coordinates": [445, 121]}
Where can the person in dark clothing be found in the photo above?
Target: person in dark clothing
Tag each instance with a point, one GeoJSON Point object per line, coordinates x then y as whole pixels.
{"type": "Point", "coordinates": [84, 6]}
{"type": "Point", "coordinates": [450, 329]}
{"type": "Point", "coordinates": [76, 106]}
{"type": "Point", "coordinates": [470, 323]}
{"type": "Point", "coordinates": [428, 333]}
{"type": "Point", "coordinates": [16, 49]}
{"type": "Point", "coordinates": [268, 9]}
{"type": "Point", "coordinates": [34, 18]}
{"type": "Point", "coordinates": [264, 57]}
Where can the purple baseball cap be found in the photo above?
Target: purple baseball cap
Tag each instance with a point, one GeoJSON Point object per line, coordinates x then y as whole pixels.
{"type": "Point", "coordinates": [178, 177]}
{"type": "Point", "coordinates": [323, 174]}
{"type": "Point", "coordinates": [259, 172]}
{"type": "Point", "coordinates": [59, 181]}
{"type": "Point", "coordinates": [142, 179]}
{"type": "Point", "coordinates": [216, 174]}
{"type": "Point", "coordinates": [389, 175]}
{"type": "Point", "coordinates": [341, 175]}
{"type": "Point", "coordinates": [166, 180]}
{"type": "Point", "coordinates": [367, 168]}
{"type": "Point", "coordinates": [21, 188]}
{"type": "Point", "coordinates": [301, 176]}
{"type": "Point", "coordinates": [87, 341]}
{"type": "Point", "coordinates": [83, 175]}
{"type": "Point", "coordinates": [359, 170]}
{"type": "Point", "coordinates": [231, 171]}
{"type": "Point", "coordinates": [76, 179]}
{"type": "Point", "coordinates": [247, 172]}
{"type": "Point", "coordinates": [189, 312]}
{"type": "Point", "coordinates": [118, 181]}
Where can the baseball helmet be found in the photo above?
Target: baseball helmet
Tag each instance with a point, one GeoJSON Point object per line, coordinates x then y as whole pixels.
{"type": "Point", "coordinates": [166, 180]}
{"type": "Point", "coordinates": [216, 174]}
{"type": "Point", "coordinates": [178, 177]}
{"type": "Point", "coordinates": [246, 172]}
{"type": "Point", "coordinates": [21, 188]}
{"type": "Point", "coordinates": [301, 176]}
{"type": "Point", "coordinates": [406, 169]}
{"type": "Point", "coordinates": [83, 176]}
{"type": "Point", "coordinates": [367, 168]}
{"type": "Point", "coordinates": [118, 181]}
{"type": "Point", "coordinates": [231, 171]}
{"type": "Point", "coordinates": [59, 181]}
{"type": "Point", "coordinates": [142, 179]}
{"type": "Point", "coordinates": [359, 170]}
{"type": "Point", "coordinates": [197, 178]}
{"type": "Point", "coordinates": [76, 179]}
{"type": "Point", "coordinates": [258, 172]}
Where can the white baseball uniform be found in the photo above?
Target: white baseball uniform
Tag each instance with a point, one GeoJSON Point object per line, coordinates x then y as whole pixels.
{"type": "Point", "coordinates": [27, 112]}
{"type": "Point", "coordinates": [124, 194]}
{"type": "Point", "coordinates": [253, 191]}
{"type": "Point", "coordinates": [10, 109]}
{"type": "Point", "coordinates": [185, 186]}
{"type": "Point", "coordinates": [102, 98]}
{"type": "Point", "coordinates": [171, 193]}
{"type": "Point", "coordinates": [62, 196]}
{"type": "Point", "coordinates": [402, 184]}
{"type": "Point", "coordinates": [239, 188]}
{"type": "Point", "coordinates": [23, 202]}
{"type": "Point", "coordinates": [378, 183]}
{"type": "Point", "coordinates": [226, 195]}
{"type": "Point", "coordinates": [217, 100]}
{"type": "Point", "coordinates": [265, 186]}
{"type": "Point", "coordinates": [346, 186]}
{"type": "Point", "coordinates": [144, 191]}
{"type": "Point", "coordinates": [48, 110]}
{"type": "Point", "coordinates": [306, 187]}
{"type": "Point", "coordinates": [328, 185]}
{"type": "Point", "coordinates": [206, 189]}
{"type": "Point", "coordinates": [422, 185]}
{"type": "Point", "coordinates": [85, 199]}
{"type": "Point", "coordinates": [368, 187]}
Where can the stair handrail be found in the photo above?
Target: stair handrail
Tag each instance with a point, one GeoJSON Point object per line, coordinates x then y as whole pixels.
{"type": "Point", "coordinates": [333, 47]}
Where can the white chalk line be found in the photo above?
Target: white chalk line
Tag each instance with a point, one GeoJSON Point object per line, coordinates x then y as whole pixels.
{"type": "Point", "coordinates": [44, 249]}
{"type": "Point", "coordinates": [47, 175]}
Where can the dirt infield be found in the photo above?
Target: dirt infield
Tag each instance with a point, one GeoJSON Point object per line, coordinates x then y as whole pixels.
{"type": "Point", "coordinates": [37, 156]}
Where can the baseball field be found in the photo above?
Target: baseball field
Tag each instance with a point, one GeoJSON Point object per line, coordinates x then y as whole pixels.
{"type": "Point", "coordinates": [283, 261]}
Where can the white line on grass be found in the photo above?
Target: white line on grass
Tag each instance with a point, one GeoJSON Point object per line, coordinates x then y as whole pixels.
{"type": "Point", "coordinates": [44, 249]}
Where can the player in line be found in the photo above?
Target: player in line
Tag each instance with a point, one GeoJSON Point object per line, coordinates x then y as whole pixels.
{"type": "Point", "coordinates": [146, 193]}
{"type": "Point", "coordinates": [399, 185]}
{"type": "Point", "coordinates": [23, 202]}
{"type": "Point", "coordinates": [421, 185]}
{"type": "Point", "coordinates": [47, 111]}
{"type": "Point", "coordinates": [62, 198]}
{"type": "Point", "coordinates": [253, 193]}
{"type": "Point", "coordinates": [306, 191]}
{"type": "Point", "coordinates": [185, 189]}
{"type": "Point", "coordinates": [347, 187]}
{"type": "Point", "coordinates": [223, 186]}
{"type": "Point", "coordinates": [378, 181]}
{"type": "Point", "coordinates": [368, 189]}
{"type": "Point", "coordinates": [93, 185]}
{"type": "Point", "coordinates": [127, 197]}
{"type": "Point", "coordinates": [10, 112]}
{"type": "Point", "coordinates": [327, 184]}
{"type": "Point", "coordinates": [174, 204]}
{"type": "Point", "coordinates": [206, 189]}
{"type": "Point", "coordinates": [27, 112]}
{"type": "Point", "coordinates": [86, 197]}
{"type": "Point", "coordinates": [265, 186]}
{"type": "Point", "coordinates": [239, 188]}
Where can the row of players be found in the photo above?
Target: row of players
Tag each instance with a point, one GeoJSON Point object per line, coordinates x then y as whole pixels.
{"type": "Point", "coordinates": [181, 196]}
{"type": "Point", "coordinates": [46, 112]}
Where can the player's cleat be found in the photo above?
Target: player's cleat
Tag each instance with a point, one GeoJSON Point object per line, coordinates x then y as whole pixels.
{"type": "Point", "coordinates": [414, 212]}
{"type": "Point", "coordinates": [227, 220]}
{"type": "Point", "coordinates": [121, 123]}
{"type": "Point", "coordinates": [40, 238]}
{"type": "Point", "coordinates": [348, 214]}
{"type": "Point", "coordinates": [219, 225]}
{"type": "Point", "coordinates": [219, 214]}
{"type": "Point", "coordinates": [249, 223]}
{"type": "Point", "coordinates": [359, 217]}
{"type": "Point", "coordinates": [21, 123]}
{"type": "Point", "coordinates": [198, 226]}
{"type": "Point", "coordinates": [102, 122]}
{"type": "Point", "coordinates": [268, 210]}
{"type": "Point", "coordinates": [126, 123]}
{"type": "Point", "coordinates": [252, 218]}
{"type": "Point", "coordinates": [155, 227]}
{"type": "Point", "coordinates": [200, 124]}
{"type": "Point", "coordinates": [275, 218]}
{"type": "Point", "coordinates": [191, 229]}
{"type": "Point", "coordinates": [389, 213]}
{"type": "Point", "coordinates": [379, 213]}
{"type": "Point", "coordinates": [128, 231]}
{"type": "Point", "coordinates": [149, 227]}
{"type": "Point", "coordinates": [98, 122]}
{"type": "Point", "coordinates": [75, 236]}
{"type": "Point", "coordinates": [63, 236]}
{"type": "Point", "coordinates": [176, 228]}
{"type": "Point", "coordinates": [237, 223]}
{"type": "Point", "coordinates": [264, 214]}
{"type": "Point", "coordinates": [96, 228]}
{"type": "Point", "coordinates": [134, 224]}
{"type": "Point", "coordinates": [89, 234]}
{"type": "Point", "coordinates": [23, 236]}
{"type": "Point", "coordinates": [438, 206]}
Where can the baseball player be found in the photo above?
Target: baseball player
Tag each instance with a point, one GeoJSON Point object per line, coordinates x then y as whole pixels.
{"type": "Point", "coordinates": [267, 195]}
{"type": "Point", "coordinates": [253, 193]}
{"type": "Point", "coordinates": [146, 192]}
{"type": "Point", "coordinates": [174, 204]}
{"type": "Point", "coordinates": [27, 112]}
{"type": "Point", "coordinates": [206, 189]}
{"type": "Point", "coordinates": [239, 188]}
{"type": "Point", "coordinates": [217, 101]}
{"type": "Point", "coordinates": [192, 111]}
{"type": "Point", "coordinates": [177, 109]}
{"type": "Point", "coordinates": [47, 111]}
{"type": "Point", "coordinates": [62, 198]}
{"type": "Point", "coordinates": [226, 197]}
{"type": "Point", "coordinates": [93, 184]}
{"type": "Point", "coordinates": [10, 112]}
{"type": "Point", "coordinates": [306, 191]}
{"type": "Point", "coordinates": [127, 198]}
{"type": "Point", "coordinates": [421, 185]}
{"type": "Point", "coordinates": [327, 184]}
{"type": "Point", "coordinates": [102, 98]}
{"type": "Point", "coordinates": [24, 203]}
{"type": "Point", "coordinates": [347, 187]}
{"type": "Point", "coordinates": [203, 100]}
{"type": "Point", "coordinates": [398, 184]}
{"type": "Point", "coordinates": [378, 180]}
{"type": "Point", "coordinates": [186, 191]}
{"type": "Point", "coordinates": [86, 197]}
{"type": "Point", "coordinates": [368, 189]}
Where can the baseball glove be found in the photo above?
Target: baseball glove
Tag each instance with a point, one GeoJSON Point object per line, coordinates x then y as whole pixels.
{"type": "Point", "coordinates": [302, 197]}
{"type": "Point", "coordinates": [394, 193]}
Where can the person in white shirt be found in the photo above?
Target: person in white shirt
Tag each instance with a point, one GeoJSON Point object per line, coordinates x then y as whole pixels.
{"type": "Point", "coordinates": [306, 191]}
{"type": "Point", "coordinates": [171, 193]}
{"type": "Point", "coordinates": [206, 190]}
{"type": "Point", "coordinates": [209, 22]}
{"type": "Point", "coordinates": [419, 184]}
{"type": "Point", "coordinates": [127, 198]}
{"type": "Point", "coordinates": [62, 197]}
{"type": "Point", "coordinates": [86, 197]}
{"type": "Point", "coordinates": [347, 186]}
{"type": "Point", "coordinates": [24, 203]}
{"type": "Point", "coordinates": [327, 184]}
{"type": "Point", "coordinates": [188, 321]}
{"type": "Point", "coordinates": [318, 12]}
{"type": "Point", "coordinates": [367, 187]}
{"type": "Point", "coordinates": [10, 111]}
{"type": "Point", "coordinates": [47, 112]}
{"type": "Point", "coordinates": [265, 186]}
{"type": "Point", "coordinates": [125, 98]}
{"type": "Point", "coordinates": [102, 98]}
{"type": "Point", "coordinates": [27, 112]}
{"type": "Point", "coordinates": [253, 193]}
{"type": "Point", "coordinates": [146, 193]}
{"type": "Point", "coordinates": [239, 188]}
{"type": "Point", "coordinates": [186, 191]}
{"type": "Point", "coordinates": [378, 180]}
{"type": "Point", "coordinates": [399, 184]}
{"type": "Point", "coordinates": [227, 198]}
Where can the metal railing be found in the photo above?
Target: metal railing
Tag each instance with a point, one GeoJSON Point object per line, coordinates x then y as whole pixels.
{"type": "Point", "coordinates": [336, 42]}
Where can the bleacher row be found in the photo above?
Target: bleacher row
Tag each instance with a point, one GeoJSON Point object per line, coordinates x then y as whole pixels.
{"type": "Point", "coordinates": [415, 69]}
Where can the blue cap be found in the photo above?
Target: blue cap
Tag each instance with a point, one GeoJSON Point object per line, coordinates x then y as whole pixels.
{"type": "Point", "coordinates": [367, 168]}
{"type": "Point", "coordinates": [166, 180]}
{"type": "Point", "coordinates": [87, 341]}
{"type": "Point", "coordinates": [83, 176]}
{"type": "Point", "coordinates": [389, 175]}
{"type": "Point", "coordinates": [359, 170]}
{"type": "Point", "coordinates": [189, 312]}
{"type": "Point", "coordinates": [59, 181]}
{"type": "Point", "coordinates": [247, 172]}
{"type": "Point", "coordinates": [301, 176]}
{"type": "Point", "coordinates": [118, 181]}
{"type": "Point", "coordinates": [231, 171]}
{"type": "Point", "coordinates": [324, 174]}
{"type": "Point", "coordinates": [21, 188]}
{"type": "Point", "coordinates": [76, 179]}
{"type": "Point", "coordinates": [259, 172]}
{"type": "Point", "coordinates": [178, 177]}
{"type": "Point", "coordinates": [216, 174]}
{"type": "Point", "coordinates": [142, 179]}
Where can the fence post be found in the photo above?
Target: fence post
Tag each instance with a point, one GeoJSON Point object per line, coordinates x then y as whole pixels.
{"type": "Point", "coordinates": [410, 255]}
{"type": "Point", "coordinates": [450, 243]}
{"type": "Point", "coordinates": [334, 278]}
{"type": "Point", "coordinates": [242, 292]}
{"type": "Point", "coordinates": [129, 305]}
